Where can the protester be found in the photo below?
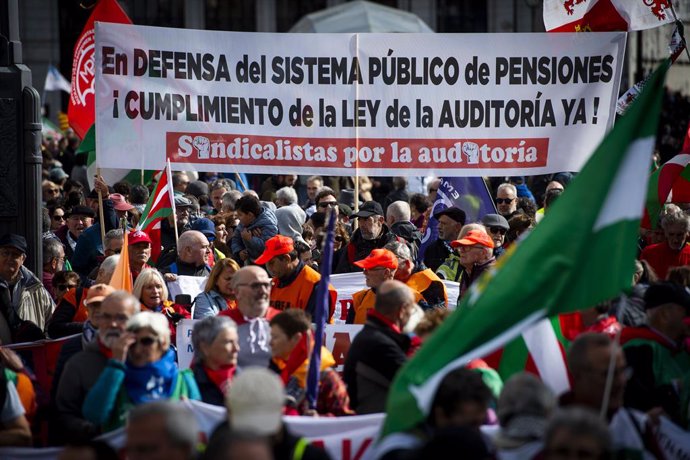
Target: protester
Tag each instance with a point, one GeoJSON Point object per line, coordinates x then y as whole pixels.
{"type": "Point", "coordinates": [450, 222]}
{"type": "Point", "coordinates": [314, 183]}
{"type": "Point", "coordinates": [674, 251]}
{"type": "Point", "coordinates": [218, 294]}
{"type": "Point", "coordinates": [14, 427]}
{"type": "Point", "coordinates": [579, 433]}
{"type": "Point", "coordinates": [152, 292]}
{"type": "Point", "coordinates": [289, 214]}
{"type": "Point", "coordinates": [84, 369]}
{"type": "Point", "coordinates": [161, 430]}
{"type": "Point", "coordinates": [379, 266]}
{"type": "Point", "coordinates": [193, 250]}
{"type": "Point", "coordinates": [139, 248]}
{"type": "Point", "coordinates": [252, 288]}
{"type": "Point", "coordinates": [372, 234]}
{"type": "Point", "coordinates": [506, 200]}
{"type": "Point", "coordinates": [294, 283]}
{"type": "Point", "coordinates": [255, 407]}
{"type": "Point", "coordinates": [53, 262]}
{"type": "Point", "coordinates": [379, 349]}
{"type": "Point", "coordinates": [257, 225]}
{"type": "Point", "coordinates": [398, 220]}
{"type": "Point", "coordinates": [142, 369]}
{"type": "Point", "coordinates": [79, 218]}
{"type": "Point", "coordinates": [216, 346]}
{"type": "Point", "coordinates": [25, 305]}
{"type": "Point", "coordinates": [292, 342]}
{"type": "Point", "coordinates": [497, 227]}
{"type": "Point", "coordinates": [418, 278]}
{"type": "Point", "coordinates": [63, 281]}
{"type": "Point", "coordinates": [476, 256]}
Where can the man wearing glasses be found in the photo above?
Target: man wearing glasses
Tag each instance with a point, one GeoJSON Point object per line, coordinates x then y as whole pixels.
{"type": "Point", "coordinates": [252, 288]}
{"type": "Point", "coordinates": [497, 226]}
{"type": "Point", "coordinates": [476, 256]}
{"type": "Point", "coordinates": [506, 200]}
{"type": "Point", "coordinates": [53, 262]}
{"type": "Point", "coordinates": [372, 234]}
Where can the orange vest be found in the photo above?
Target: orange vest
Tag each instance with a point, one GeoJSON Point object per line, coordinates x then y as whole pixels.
{"type": "Point", "coordinates": [364, 300]}
{"type": "Point", "coordinates": [421, 281]}
{"type": "Point", "coordinates": [297, 293]}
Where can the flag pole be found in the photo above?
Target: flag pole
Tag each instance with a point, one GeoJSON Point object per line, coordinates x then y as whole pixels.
{"type": "Point", "coordinates": [615, 346]}
{"type": "Point", "coordinates": [681, 29]}
{"type": "Point", "coordinates": [239, 179]}
{"type": "Point", "coordinates": [101, 218]}
{"type": "Point", "coordinates": [169, 173]}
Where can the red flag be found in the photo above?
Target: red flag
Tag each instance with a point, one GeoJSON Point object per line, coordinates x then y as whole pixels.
{"type": "Point", "coordinates": [161, 205]}
{"type": "Point", "coordinates": [82, 109]}
{"type": "Point", "coordinates": [605, 15]}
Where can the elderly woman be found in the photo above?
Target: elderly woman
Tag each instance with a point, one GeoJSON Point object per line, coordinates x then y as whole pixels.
{"type": "Point", "coordinates": [216, 346]}
{"type": "Point", "coordinates": [152, 292]}
{"type": "Point", "coordinates": [218, 294]}
{"type": "Point", "coordinates": [291, 343]}
{"type": "Point", "coordinates": [142, 369]}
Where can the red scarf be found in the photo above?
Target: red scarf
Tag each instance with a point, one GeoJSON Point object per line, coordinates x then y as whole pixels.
{"type": "Point", "coordinates": [221, 377]}
{"type": "Point", "coordinates": [105, 351]}
{"type": "Point", "coordinates": [374, 314]}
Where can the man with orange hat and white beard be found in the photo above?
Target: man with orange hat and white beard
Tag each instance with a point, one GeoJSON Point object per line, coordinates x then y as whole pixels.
{"type": "Point", "coordinates": [476, 250]}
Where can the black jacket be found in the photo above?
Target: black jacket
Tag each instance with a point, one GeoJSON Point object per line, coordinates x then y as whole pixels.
{"type": "Point", "coordinates": [436, 253]}
{"type": "Point", "coordinates": [210, 393]}
{"type": "Point", "coordinates": [358, 248]}
{"type": "Point", "coordinates": [374, 358]}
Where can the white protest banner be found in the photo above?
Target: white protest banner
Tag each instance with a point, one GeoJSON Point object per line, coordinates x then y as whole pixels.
{"type": "Point", "coordinates": [383, 104]}
{"type": "Point", "coordinates": [191, 285]}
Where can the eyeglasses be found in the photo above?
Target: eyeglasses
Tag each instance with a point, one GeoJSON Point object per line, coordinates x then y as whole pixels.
{"type": "Point", "coordinates": [146, 341]}
{"type": "Point", "coordinates": [325, 204]}
{"type": "Point", "coordinates": [257, 285]}
{"type": "Point", "coordinates": [339, 239]}
{"type": "Point", "coordinates": [107, 317]}
{"type": "Point", "coordinates": [64, 287]}
{"type": "Point", "coordinates": [59, 218]}
{"type": "Point", "coordinates": [504, 200]}
{"type": "Point", "coordinates": [499, 230]}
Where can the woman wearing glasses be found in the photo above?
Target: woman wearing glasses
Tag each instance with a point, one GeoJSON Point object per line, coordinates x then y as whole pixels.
{"type": "Point", "coordinates": [142, 369]}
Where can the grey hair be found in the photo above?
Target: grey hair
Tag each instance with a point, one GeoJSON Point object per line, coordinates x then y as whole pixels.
{"type": "Point", "coordinates": [229, 199]}
{"type": "Point", "coordinates": [114, 234]}
{"type": "Point", "coordinates": [180, 424]}
{"type": "Point", "coordinates": [507, 186]}
{"type": "Point", "coordinates": [221, 183]}
{"type": "Point", "coordinates": [108, 266]}
{"type": "Point", "coordinates": [579, 422]}
{"type": "Point", "coordinates": [673, 219]}
{"type": "Point", "coordinates": [51, 249]}
{"type": "Point", "coordinates": [125, 298]}
{"type": "Point", "coordinates": [157, 322]}
{"type": "Point", "coordinates": [315, 179]}
{"type": "Point", "coordinates": [524, 394]}
{"type": "Point", "coordinates": [251, 192]}
{"type": "Point", "coordinates": [206, 330]}
{"type": "Point", "coordinates": [398, 211]}
{"type": "Point", "coordinates": [287, 195]}
{"type": "Point", "coordinates": [400, 249]}
{"type": "Point", "coordinates": [144, 278]}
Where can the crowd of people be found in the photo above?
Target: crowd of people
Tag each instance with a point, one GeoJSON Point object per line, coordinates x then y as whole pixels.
{"type": "Point", "coordinates": [257, 240]}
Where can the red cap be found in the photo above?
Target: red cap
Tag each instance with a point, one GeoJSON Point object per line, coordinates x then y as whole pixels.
{"type": "Point", "coordinates": [276, 246]}
{"type": "Point", "coordinates": [379, 258]}
{"type": "Point", "coordinates": [474, 237]}
{"type": "Point", "coordinates": [138, 237]}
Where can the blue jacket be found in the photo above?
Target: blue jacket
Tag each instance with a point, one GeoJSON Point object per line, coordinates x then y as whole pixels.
{"type": "Point", "coordinates": [267, 222]}
{"type": "Point", "coordinates": [209, 304]}
{"type": "Point", "coordinates": [89, 245]}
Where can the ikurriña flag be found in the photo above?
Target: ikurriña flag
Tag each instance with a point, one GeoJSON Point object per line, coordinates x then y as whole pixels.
{"type": "Point", "coordinates": [582, 253]}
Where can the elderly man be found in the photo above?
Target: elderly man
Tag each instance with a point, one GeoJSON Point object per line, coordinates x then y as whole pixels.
{"type": "Point", "coordinates": [314, 183]}
{"type": "Point", "coordinates": [25, 305]}
{"type": "Point", "coordinates": [674, 251]}
{"type": "Point", "coordinates": [217, 189]}
{"type": "Point", "coordinates": [656, 354]}
{"type": "Point", "coordinates": [476, 256]}
{"type": "Point", "coordinates": [82, 370]}
{"type": "Point", "coordinates": [372, 234]}
{"type": "Point", "coordinates": [139, 248]}
{"type": "Point", "coordinates": [398, 216]}
{"type": "Point", "coordinates": [183, 211]}
{"type": "Point", "coordinates": [506, 200]}
{"type": "Point", "coordinates": [193, 250]}
{"type": "Point", "coordinates": [252, 288]}
{"type": "Point", "coordinates": [450, 222]}
{"type": "Point", "coordinates": [180, 181]}
{"type": "Point", "coordinates": [497, 227]}
{"type": "Point", "coordinates": [79, 218]}
{"type": "Point", "coordinates": [380, 348]}
{"type": "Point", "coordinates": [53, 262]}
{"type": "Point", "coordinates": [294, 283]}
{"type": "Point", "coordinates": [289, 215]}
{"type": "Point", "coordinates": [420, 279]}
{"type": "Point", "coordinates": [161, 430]}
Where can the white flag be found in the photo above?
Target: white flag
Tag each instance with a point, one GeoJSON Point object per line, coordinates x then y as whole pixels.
{"type": "Point", "coordinates": [55, 81]}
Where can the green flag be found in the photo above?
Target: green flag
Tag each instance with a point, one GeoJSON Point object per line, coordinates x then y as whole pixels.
{"type": "Point", "coordinates": [581, 254]}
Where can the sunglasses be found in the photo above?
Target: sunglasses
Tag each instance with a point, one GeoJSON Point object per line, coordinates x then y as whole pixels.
{"type": "Point", "coordinates": [146, 341]}
{"type": "Point", "coordinates": [504, 200]}
{"type": "Point", "coordinates": [499, 230]}
{"type": "Point", "coordinates": [64, 287]}
{"type": "Point", "coordinates": [333, 204]}
{"type": "Point", "coordinates": [59, 218]}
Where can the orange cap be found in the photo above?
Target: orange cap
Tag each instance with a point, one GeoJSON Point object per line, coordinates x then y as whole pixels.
{"type": "Point", "coordinates": [98, 292]}
{"type": "Point", "coordinates": [379, 258]}
{"type": "Point", "coordinates": [276, 246]}
{"type": "Point", "coordinates": [474, 237]}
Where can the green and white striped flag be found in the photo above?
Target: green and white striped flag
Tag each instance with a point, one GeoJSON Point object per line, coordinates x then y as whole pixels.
{"type": "Point", "coordinates": [581, 254]}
